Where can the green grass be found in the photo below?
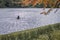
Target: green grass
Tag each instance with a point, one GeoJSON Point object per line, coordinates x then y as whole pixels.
{"type": "Point", "coordinates": [48, 32]}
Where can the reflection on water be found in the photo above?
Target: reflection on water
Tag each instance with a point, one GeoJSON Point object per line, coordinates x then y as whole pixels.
{"type": "Point", "coordinates": [29, 18]}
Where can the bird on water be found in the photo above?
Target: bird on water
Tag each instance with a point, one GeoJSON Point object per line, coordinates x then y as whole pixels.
{"type": "Point", "coordinates": [18, 17]}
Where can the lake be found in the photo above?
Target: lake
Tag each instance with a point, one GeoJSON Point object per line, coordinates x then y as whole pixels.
{"type": "Point", "coordinates": [29, 18]}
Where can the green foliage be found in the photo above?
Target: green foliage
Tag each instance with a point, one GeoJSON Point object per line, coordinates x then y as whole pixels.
{"type": "Point", "coordinates": [49, 32]}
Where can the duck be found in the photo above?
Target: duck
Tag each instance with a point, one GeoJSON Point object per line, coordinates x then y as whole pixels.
{"type": "Point", "coordinates": [18, 17]}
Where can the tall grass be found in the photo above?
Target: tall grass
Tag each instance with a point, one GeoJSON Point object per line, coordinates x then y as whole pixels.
{"type": "Point", "coordinates": [48, 32]}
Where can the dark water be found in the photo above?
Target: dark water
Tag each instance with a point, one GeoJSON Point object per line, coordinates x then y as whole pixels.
{"type": "Point", "coordinates": [29, 18]}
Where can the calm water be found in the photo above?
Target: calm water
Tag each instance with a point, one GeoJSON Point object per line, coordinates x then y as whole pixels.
{"type": "Point", "coordinates": [29, 18]}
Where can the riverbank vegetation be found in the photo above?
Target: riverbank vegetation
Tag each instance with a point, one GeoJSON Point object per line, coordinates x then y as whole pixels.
{"type": "Point", "coordinates": [48, 32]}
{"type": "Point", "coordinates": [29, 3]}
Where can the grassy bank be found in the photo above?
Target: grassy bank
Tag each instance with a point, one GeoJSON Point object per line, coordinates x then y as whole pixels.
{"type": "Point", "coordinates": [49, 32]}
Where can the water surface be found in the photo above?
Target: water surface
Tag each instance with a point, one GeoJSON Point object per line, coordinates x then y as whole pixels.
{"type": "Point", "coordinates": [29, 18]}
